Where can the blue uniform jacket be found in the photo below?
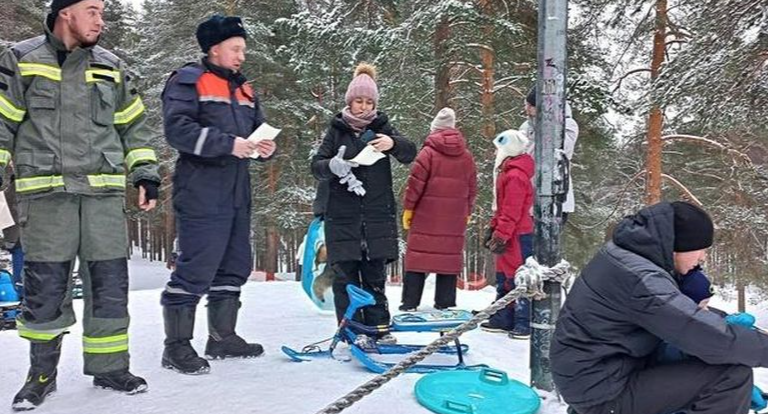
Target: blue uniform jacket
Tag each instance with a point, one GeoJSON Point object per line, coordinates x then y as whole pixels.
{"type": "Point", "coordinates": [205, 108]}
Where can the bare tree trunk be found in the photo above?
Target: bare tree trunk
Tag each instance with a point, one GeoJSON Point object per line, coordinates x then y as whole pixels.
{"type": "Point", "coordinates": [656, 117]}
{"type": "Point", "coordinates": [443, 88]}
{"type": "Point", "coordinates": [741, 294]}
{"type": "Point", "coordinates": [273, 238]}
{"type": "Point", "coordinates": [488, 57]}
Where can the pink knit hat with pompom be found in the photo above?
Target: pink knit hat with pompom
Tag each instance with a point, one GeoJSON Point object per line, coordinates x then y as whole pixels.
{"type": "Point", "coordinates": [363, 85]}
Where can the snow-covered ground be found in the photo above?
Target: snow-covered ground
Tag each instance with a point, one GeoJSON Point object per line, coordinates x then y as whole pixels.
{"type": "Point", "coordinates": [274, 314]}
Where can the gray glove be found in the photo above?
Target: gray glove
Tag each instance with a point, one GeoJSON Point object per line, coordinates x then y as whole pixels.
{"type": "Point", "coordinates": [339, 166]}
{"type": "Point", "coordinates": [353, 184]}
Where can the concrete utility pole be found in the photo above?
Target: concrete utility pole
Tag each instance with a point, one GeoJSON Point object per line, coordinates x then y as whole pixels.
{"type": "Point", "coordinates": [550, 179]}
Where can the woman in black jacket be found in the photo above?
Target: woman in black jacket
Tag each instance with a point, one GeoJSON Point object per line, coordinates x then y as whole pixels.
{"type": "Point", "coordinates": [360, 216]}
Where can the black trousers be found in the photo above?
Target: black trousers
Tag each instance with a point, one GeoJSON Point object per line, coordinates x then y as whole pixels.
{"type": "Point", "coordinates": [690, 386]}
{"type": "Point", "coordinates": [413, 287]}
{"type": "Point", "coordinates": [371, 276]}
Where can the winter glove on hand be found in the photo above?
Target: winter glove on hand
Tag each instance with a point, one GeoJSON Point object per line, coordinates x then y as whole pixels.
{"type": "Point", "coordinates": [357, 188]}
{"type": "Point", "coordinates": [353, 184]}
{"type": "Point", "coordinates": [742, 318]}
{"type": "Point", "coordinates": [487, 236]}
{"type": "Point", "coordinates": [407, 217]}
{"type": "Point", "coordinates": [151, 189]}
{"type": "Point", "coordinates": [758, 399]}
{"type": "Point", "coordinates": [339, 166]}
{"type": "Point", "coordinates": [497, 245]}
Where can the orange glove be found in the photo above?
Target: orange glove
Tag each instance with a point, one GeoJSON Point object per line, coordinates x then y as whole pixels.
{"type": "Point", "coordinates": [407, 216]}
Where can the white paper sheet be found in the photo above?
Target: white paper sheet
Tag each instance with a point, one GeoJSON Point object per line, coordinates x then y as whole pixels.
{"type": "Point", "coordinates": [368, 156]}
{"type": "Point", "coordinates": [263, 132]}
{"type": "Point", "coordinates": [6, 220]}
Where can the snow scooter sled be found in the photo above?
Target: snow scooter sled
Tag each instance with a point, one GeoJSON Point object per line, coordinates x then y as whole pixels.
{"type": "Point", "coordinates": [357, 335]}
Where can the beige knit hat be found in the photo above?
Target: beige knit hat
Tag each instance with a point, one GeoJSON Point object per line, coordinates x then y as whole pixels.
{"type": "Point", "coordinates": [445, 119]}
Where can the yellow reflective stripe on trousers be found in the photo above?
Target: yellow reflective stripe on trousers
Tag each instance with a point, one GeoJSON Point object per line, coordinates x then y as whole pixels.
{"type": "Point", "coordinates": [38, 334]}
{"type": "Point", "coordinates": [25, 185]}
{"type": "Point", "coordinates": [112, 74]}
{"type": "Point", "coordinates": [130, 113]}
{"type": "Point", "coordinates": [105, 345]}
{"type": "Point", "coordinates": [10, 111]}
{"type": "Point", "coordinates": [107, 180]}
{"type": "Point", "coordinates": [38, 69]}
{"type": "Point", "coordinates": [5, 157]}
{"type": "Point", "coordinates": [140, 155]}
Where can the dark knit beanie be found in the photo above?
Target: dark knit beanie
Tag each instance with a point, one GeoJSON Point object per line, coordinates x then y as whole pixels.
{"type": "Point", "coordinates": [59, 5]}
{"type": "Point", "coordinates": [531, 98]}
{"type": "Point", "coordinates": [694, 229]}
{"type": "Point", "coordinates": [56, 7]}
{"type": "Point", "coordinates": [696, 286]}
{"type": "Point", "coordinates": [217, 29]}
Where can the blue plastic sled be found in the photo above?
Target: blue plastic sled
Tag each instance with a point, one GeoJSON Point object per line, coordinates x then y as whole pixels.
{"type": "Point", "coordinates": [487, 391]}
{"type": "Point", "coordinates": [311, 268]}
{"type": "Point", "coordinates": [9, 301]}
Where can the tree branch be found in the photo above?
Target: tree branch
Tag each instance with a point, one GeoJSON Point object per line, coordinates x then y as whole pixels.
{"type": "Point", "coordinates": [631, 72]}
{"type": "Point", "coordinates": [686, 192]}
{"type": "Point", "coordinates": [711, 143]}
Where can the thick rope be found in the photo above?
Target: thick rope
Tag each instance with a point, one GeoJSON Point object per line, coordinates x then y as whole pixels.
{"type": "Point", "coordinates": [529, 285]}
{"type": "Point", "coordinates": [532, 273]}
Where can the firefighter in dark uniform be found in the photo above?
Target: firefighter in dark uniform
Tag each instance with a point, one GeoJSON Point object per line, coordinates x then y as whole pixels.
{"type": "Point", "coordinates": [73, 125]}
{"type": "Point", "coordinates": [209, 110]}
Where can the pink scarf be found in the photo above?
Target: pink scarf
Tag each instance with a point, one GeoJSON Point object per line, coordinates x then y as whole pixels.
{"type": "Point", "coordinates": [358, 124]}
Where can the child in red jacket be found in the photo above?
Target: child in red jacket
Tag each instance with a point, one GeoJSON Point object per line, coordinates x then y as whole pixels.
{"type": "Point", "coordinates": [511, 227]}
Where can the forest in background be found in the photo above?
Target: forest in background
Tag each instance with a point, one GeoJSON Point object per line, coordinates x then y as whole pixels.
{"type": "Point", "coordinates": [670, 96]}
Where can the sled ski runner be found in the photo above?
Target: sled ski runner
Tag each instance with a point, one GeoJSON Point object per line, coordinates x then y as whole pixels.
{"type": "Point", "coordinates": [362, 347]}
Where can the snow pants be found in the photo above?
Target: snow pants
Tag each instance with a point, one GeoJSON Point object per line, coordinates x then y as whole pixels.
{"type": "Point", "coordinates": [413, 287]}
{"type": "Point", "coordinates": [689, 386]}
{"type": "Point", "coordinates": [214, 256]}
{"type": "Point", "coordinates": [371, 276]}
{"type": "Point", "coordinates": [55, 229]}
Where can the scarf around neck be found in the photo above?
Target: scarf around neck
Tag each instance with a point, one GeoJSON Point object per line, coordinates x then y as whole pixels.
{"type": "Point", "coordinates": [358, 123]}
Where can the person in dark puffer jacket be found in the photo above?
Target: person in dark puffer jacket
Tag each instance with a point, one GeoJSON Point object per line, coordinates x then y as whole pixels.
{"type": "Point", "coordinates": [627, 302]}
{"type": "Point", "coordinates": [360, 221]}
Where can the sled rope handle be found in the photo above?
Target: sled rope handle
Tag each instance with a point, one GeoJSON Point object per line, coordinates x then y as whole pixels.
{"type": "Point", "coordinates": [532, 277]}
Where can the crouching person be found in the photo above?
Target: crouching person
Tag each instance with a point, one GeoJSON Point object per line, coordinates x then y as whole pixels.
{"type": "Point", "coordinates": [627, 302]}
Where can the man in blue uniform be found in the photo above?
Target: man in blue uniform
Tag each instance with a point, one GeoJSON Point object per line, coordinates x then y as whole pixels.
{"type": "Point", "coordinates": [209, 110]}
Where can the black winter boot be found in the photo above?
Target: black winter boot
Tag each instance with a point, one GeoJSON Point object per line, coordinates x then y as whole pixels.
{"type": "Point", "coordinates": [179, 354]}
{"type": "Point", "coordinates": [223, 342]}
{"type": "Point", "coordinates": [41, 379]}
{"type": "Point", "coordinates": [121, 381]}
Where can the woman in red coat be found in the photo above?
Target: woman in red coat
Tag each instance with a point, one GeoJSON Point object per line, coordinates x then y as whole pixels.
{"type": "Point", "coordinates": [511, 223]}
{"type": "Point", "coordinates": [439, 198]}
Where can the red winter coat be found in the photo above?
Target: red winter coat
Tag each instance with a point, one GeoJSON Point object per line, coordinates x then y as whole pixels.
{"type": "Point", "coordinates": [514, 198]}
{"type": "Point", "coordinates": [441, 192]}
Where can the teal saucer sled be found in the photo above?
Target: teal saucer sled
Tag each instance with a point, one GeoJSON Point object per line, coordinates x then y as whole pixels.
{"type": "Point", "coordinates": [487, 391]}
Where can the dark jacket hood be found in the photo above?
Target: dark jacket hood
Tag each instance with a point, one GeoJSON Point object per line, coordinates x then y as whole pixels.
{"type": "Point", "coordinates": [649, 233]}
